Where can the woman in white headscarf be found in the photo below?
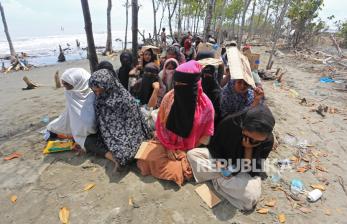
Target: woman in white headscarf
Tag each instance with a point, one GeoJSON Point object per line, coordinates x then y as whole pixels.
{"type": "Point", "coordinates": [78, 119]}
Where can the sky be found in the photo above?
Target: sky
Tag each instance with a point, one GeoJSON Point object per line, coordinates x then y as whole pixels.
{"type": "Point", "coordinates": [46, 17]}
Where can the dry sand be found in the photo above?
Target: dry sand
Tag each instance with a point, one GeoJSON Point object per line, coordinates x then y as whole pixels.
{"type": "Point", "coordinates": [44, 184]}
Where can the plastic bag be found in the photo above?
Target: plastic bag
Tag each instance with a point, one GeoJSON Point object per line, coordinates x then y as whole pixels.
{"type": "Point", "coordinates": [58, 146]}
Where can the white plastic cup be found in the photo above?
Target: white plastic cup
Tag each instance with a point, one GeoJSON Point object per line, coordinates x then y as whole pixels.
{"type": "Point", "coordinates": [314, 195]}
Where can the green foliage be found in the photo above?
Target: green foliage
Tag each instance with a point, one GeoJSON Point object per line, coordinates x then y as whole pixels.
{"type": "Point", "coordinates": [343, 32]}
{"type": "Point", "coordinates": [303, 15]}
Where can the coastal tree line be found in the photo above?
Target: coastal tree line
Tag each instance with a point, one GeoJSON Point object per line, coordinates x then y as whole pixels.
{"type": "Point", "coordinates": [240, 20]}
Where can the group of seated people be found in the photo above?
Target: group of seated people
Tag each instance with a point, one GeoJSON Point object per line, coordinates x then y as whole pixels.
{"type": "Point", "coordinates": [202, 118]}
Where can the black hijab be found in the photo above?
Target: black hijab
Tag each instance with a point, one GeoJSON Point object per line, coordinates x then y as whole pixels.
{"type": "Point", "coordinates": [181, 116]}
{"type": "Point", "coordinates": [212, 89]}
{"type": "Point", "coordinates": [150, 75]}
{"type": "Point", "coordinates": [126, 60]}
{"type": "Point", "coordinates": [227, 141]}
{"type": "Point", "coordinates": [106, 65]}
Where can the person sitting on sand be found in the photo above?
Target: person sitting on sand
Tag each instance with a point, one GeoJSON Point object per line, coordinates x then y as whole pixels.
{"type": "Point", "coordinates": [174, 52]}
{"type": "Point", "coordinates": [185, 121]}
{"type": "Point", "coordinates": [146, 56]}
{"type": "Point", "coordinates": [188, 50]}
{"type": "Point", "coordinates": [121, 125]}
{"type": "Point", "coordinates": [150, 87]}
{"type": "Point", "coordinates": [242, 139]}
{"type": "Point", "coordinates": [126, 60]}
{"type": "Point", "coordinates": [78, 119]}
{"type": "Point", "coordinates": [166, 75]}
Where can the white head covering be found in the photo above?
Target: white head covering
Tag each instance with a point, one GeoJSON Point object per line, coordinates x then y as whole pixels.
{"type": "Point", "coordinates": [78, 119]}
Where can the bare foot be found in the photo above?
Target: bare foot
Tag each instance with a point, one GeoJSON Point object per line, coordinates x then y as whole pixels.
{"type": "Point", "coordinates": [109, 156]}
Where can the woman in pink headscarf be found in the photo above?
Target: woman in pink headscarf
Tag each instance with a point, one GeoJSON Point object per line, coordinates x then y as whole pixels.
{"type": "Point", "coordinates": [185, 121]}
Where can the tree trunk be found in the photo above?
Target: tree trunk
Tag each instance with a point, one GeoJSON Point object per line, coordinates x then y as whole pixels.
{"type": "Point", "coordinates": [266, 14]}
{"type": "Point", "coordinates": [278, 26]}
{"type": "Point", "coordinates": [12, 51]}
{"type": "Point", "coordinates": [162, 17]}
{"type": "Point", "coordinates": [233, 29]}
{"type": "Point", "coordinates": [245, 8]}
{"type": "Point", "coordinates": [179, 23]}
{"type": "Point", "coordinates": [171, 13]}
{"type": "Point", "coordinates": [92, 56]}
{"type": "Point", "coordinates": [135, 11]}
{"type": "Point", "coordinates": [109, 29]}
{"type": "Point", "coordinates": [126, 24]}
{"type": "Point", "coordinates": [208, 19]}
{"type": "Point", "coordinates": [155, 9]}
{"type": "Point", "coordinates": [220, 23]}
{"type": "Point", "coordinates": [250, 30]}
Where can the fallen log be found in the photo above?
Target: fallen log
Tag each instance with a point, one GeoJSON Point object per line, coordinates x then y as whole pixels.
{"type": "Point", "coordinates": [339, 51]}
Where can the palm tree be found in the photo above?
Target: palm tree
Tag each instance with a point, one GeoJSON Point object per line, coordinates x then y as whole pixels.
{"type": "Point", "coordinates": [12, 51]}
{"type": "Point", "coordinates": [92, 56]}
{"type": "Point", "coordinates": [109, 29]}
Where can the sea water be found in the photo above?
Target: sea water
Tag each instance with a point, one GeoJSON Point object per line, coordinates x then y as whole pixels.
{"type": "Point", "coordinates": [44, 50]}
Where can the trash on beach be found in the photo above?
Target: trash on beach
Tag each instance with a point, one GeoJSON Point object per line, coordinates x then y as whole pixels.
{"type": "Point", "coordinates": [64, 215]}
{"type": "Point", "coordinates": [281, 218]}
{"type": "Point", "coordinates": [58, 146]}
{"type": "Point", "coordinates": [293, 93]}
{"type": "Point", "coordinates": [12, 156]}
{"type": "Point", "coordinates": [271, 203]}
{"type": "Point", "coordinates": [326, 80]}
{"type": "Point", "coordinates": [296, 186]}
{"type": "Point", "coordinates": [321, 168]}
{"type": "Point", "coordinates": [303, 169]}
{"type": "Point", "coordinates": [13, 198]}
{"type": "Point", "coordinates": [210, 198]}
{"type": "Point", "coordinates": [132, 203]}
{"type": "Point", "coordinates": [318, 186]}
{"type": "Point", "coordinates": [45, 119]}
{"type": "Point", "coordinates": [88, 187]}
{"type": "Point", "coordinates": [305, 210]}
{"type": "Point", "coordinates": [262, 211]}
{"type": "Point", "coordinates": [314, 195]}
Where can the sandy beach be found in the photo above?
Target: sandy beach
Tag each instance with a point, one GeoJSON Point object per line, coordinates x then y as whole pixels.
{"type": "Point", "coordinates": [45, 183]}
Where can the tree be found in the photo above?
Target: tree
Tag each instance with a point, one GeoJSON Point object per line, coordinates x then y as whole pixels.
{"type": "Point", "coordinates": [220, 22]}
{"type": "Point", "coordinates": [171, 13]}
{"type": "Point", "coordinates": [302, 13]}
{"type": "Point", "coordinates": [12, 51]}
{"type": "Point", "coordinates": [135, 11]}
{"type": "Point", "coordinates": [126, 23]}
{"type": "Point", "coordinates": [109, 29]}
{"type": "Point", "coordinates": [208, 19]}
{"type": "Point", "coordinates": [245, 8]}
{"type": "Point", "coordinates": [277, 30]}
{"type": "Point", "coordinates": [343, 32]}
{"type": "Point", "coordinates": [250, 28]}
{"type": "Point", "coordinates": [92, 56]}
{"type": "Point", "coordinates": [155, 10]}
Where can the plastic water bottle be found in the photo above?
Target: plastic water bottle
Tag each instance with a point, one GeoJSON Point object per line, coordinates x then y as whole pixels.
{"type": "Point", "coordinates": [296, 186]}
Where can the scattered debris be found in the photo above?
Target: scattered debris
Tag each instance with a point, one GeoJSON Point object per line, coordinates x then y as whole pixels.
{"type": "Point", "coordinates": [64, 215]}
{"type": "Point", "coordinates": [132, 203]}
{"type": "Point", "coordinates": [29, 83]}
{"type": "Point", "coordinates": [88, 187]}
{"type": "Point", "coordinates": [314, 195]}
{"type": "Point", "coordinates": [13, 198]}
{"type": "Point", "coordinates": [13, 156]}
{"type": "Point", "coordinates": [262, 211]}
{"type": "Point", "coordinates": [281, 218]}
{"type": "Point", "coordinates": [208, 196]}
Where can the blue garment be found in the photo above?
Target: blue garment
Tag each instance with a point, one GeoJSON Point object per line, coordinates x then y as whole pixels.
{"type": "Point", "coordinates": [233, 102]}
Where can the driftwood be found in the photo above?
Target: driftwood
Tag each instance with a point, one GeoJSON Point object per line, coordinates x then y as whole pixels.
{"type": "Point", "coordinates": [29, 83]}
{"type": "Point", "coordinates": [339, 51]}
{"type": "Point", "coordinates": [57, 80]}
{"type": "Point", "coordinates": [61, 57]}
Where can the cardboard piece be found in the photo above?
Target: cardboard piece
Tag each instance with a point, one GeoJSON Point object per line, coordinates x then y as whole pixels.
{"type": "Point", "coordinates": [141, 152]}
{"type": "Point", "coordinates": [210, 61]}
{"type": "Point", "coordinates": [254, 61]}
{"type": "Point", "coordinates": [239, 66]}
{"type": "Point", "coordinates": [156, 50]}
{"type": "Point", "coordinates": [210, 47]}
{"type": "Point", "coordinates": [210, 198]}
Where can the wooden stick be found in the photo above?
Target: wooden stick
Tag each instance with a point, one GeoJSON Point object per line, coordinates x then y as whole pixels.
{"type": "Point", "coordinates": [339, 51]}
{"type": "Point", "coordinates": [57, 80]}
{"type": "Point", "coordinates": [30, 84]}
